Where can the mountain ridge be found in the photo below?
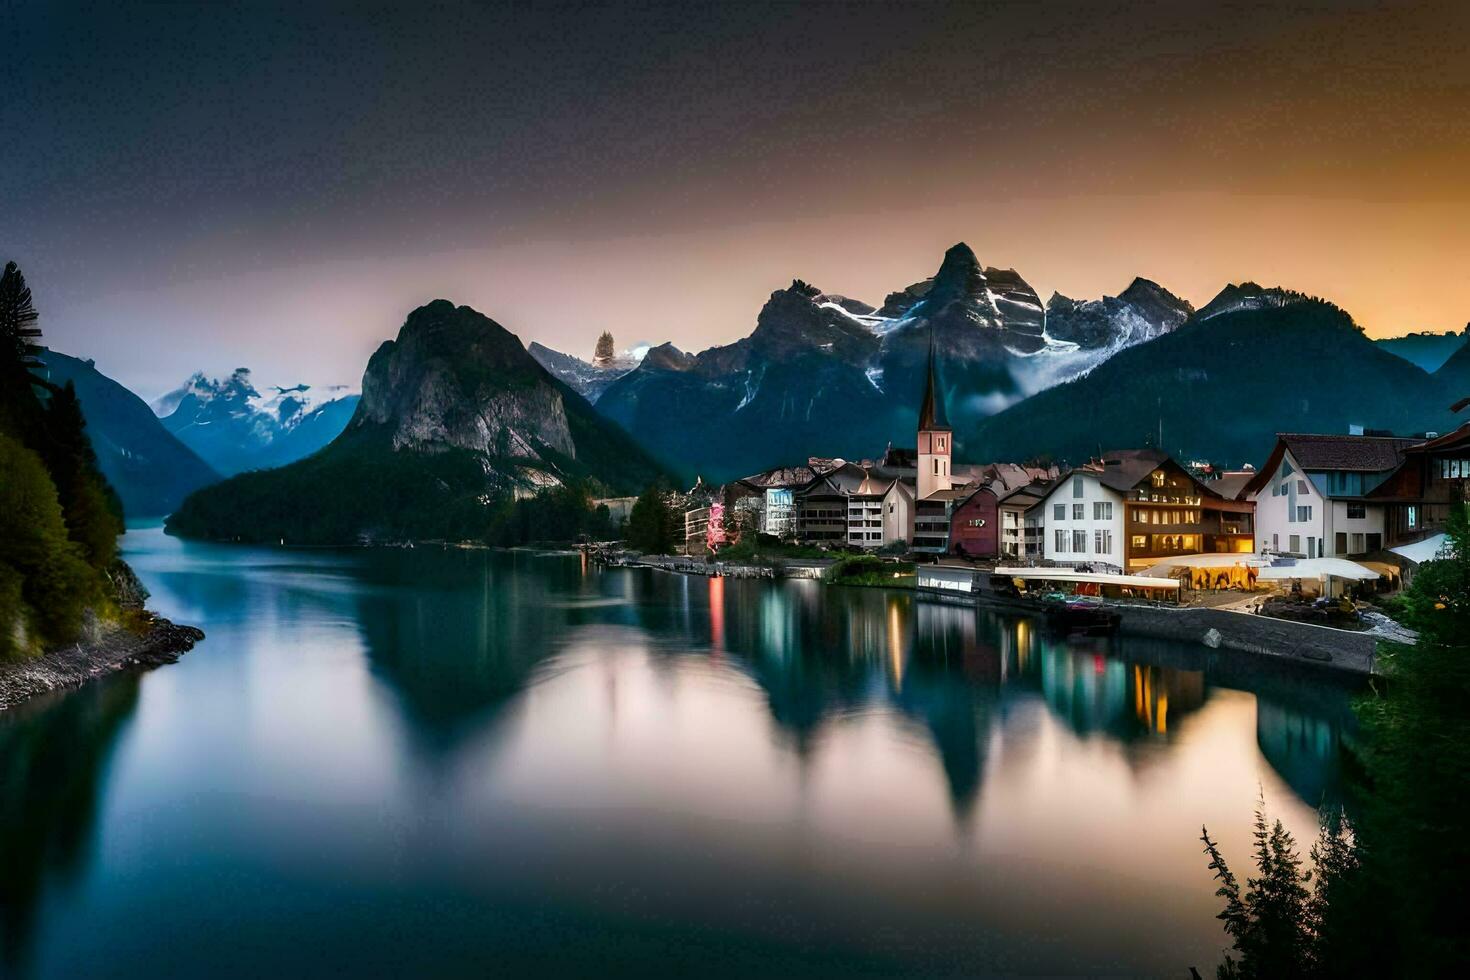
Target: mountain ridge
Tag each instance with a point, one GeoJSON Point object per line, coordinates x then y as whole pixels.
{"type": "Point", "coordinates": [456, 417]}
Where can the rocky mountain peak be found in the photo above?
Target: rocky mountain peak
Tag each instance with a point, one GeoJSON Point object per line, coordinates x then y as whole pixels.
{"type": "Point", "coordinates": [456, 378]}
{"type": "Point", "coordinates": [667, 357]}
{"type": "Point", "coordinates": [959, 279]}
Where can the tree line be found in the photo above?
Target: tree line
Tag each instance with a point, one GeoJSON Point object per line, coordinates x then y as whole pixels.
{"type": "Point", "coordinates": [59, 519]}
{"type": "Point", "coordinates": [1384, 891]}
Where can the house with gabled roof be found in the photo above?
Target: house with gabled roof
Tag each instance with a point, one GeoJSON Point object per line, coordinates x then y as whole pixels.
{"type": "Point", "coordinates": [1432, 480]}
{"type": "Point", "coordinates": [1135, 507]}
{"type": "Point", "coordinates": [1314, 494]}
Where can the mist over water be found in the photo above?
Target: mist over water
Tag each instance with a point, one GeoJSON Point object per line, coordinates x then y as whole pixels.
{"type": "Point", "coordinates": [453, 763]}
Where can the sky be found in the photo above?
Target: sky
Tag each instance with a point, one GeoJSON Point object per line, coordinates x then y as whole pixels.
{"type": "Point", "coordinates": [202, 187]}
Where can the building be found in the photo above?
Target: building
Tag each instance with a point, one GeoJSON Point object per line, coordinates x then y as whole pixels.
{"type": "Point", "coordinates": [865, 503]}
{"type": "Point", "coordinates": [1135, 507]}
{"type": "Point", "coordinates": [766, 501]}
{"type": "Point", "coordinates": [980, 521]}
{"type": "Point", "coordinates": [1023, 522]}
{"type": "Point", "coordinates": [934, 492]}
{"type": "Point", "coordinates": [821, 511]}
{"type": "Point", "coordinates": [1416, 498]}
{"type": "Point", "coordinates": [1314, 496]}
{"type": "Point", "coordinates": [936, 439]}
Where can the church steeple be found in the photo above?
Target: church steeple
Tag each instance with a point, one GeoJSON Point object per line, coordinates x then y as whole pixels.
{"type": "Point", "coordinates": [932, 417]}
{"type": "Point", "coordinates": [935, 437]}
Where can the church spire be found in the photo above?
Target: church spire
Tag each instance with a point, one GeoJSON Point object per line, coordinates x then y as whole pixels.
{"type": "Point", "coordinates": [931, 411]}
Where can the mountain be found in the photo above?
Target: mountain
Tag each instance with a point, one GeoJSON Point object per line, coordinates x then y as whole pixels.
{"type": "Point", "coordinates": [234, 427]}
{"type": "Point", "coordinates": [150, 469]}
{"type": "Point", "coordinates": [1453, 375]}
{"type": "Point", "coordinates": [587, 378]}
{"type": "Point", "coordinates": [826, 374]}
{"type": "Point", "coordinates": [1251, 363]}
{"type": "Point", "coordinates": [456, 418]}
{"type": "Point", "coordinates": [1428, 350]}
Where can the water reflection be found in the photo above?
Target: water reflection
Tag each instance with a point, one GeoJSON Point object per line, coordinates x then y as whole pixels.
{"type": "Point", "coordinates": [619, 759]}
{"type": "Point", "coordinates": [54, 756]}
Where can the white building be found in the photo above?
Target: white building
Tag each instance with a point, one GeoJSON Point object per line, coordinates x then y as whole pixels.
{"type": "Point", "coordinates": [1310, 494]}
{"type": "Point", "coordinates": [1083, 521]}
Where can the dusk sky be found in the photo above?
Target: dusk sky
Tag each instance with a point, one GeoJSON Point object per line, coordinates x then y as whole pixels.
{"type": "Point", "coordinates": [199, 187]}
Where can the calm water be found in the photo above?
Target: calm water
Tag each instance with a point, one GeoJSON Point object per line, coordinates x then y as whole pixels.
{"type": "Point", "coordinates": [422, 763]}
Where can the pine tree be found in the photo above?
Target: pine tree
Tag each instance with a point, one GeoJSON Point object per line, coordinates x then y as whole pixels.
{"type": "Point", "coordinates": [18, 330]}
{"type": "Point", "coordinates": [652, 525]}
{"type": "Point", "coordinates": [1269, 921]}
{"type": "Point", "coordinates": [92, 512]}
{"type": "Point", "coordinates": [20, 409]}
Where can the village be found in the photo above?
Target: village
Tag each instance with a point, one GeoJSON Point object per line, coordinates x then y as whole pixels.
{"type": "Point", "coordinates": [1325, 519]}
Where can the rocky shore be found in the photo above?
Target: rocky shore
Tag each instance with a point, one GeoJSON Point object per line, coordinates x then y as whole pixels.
{"type": "Point", "coordinates": [155, 642]}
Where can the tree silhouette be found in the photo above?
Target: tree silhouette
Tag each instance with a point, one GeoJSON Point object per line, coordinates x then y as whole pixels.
{"type": "Point", "coordinates": [604, 351]}
{"type": "Point", "coordinates": [18, 330]}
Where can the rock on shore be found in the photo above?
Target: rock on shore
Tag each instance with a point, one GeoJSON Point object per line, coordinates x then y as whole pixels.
{"type": "Point", "coordinates": [158, 642]}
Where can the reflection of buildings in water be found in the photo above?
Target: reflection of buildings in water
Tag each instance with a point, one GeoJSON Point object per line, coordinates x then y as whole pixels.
{"type": "Point", "coordinates": [1094, 691]}
{"type": "Point", "coordinates": [897, 648]}
{"type": "Point", "coordinates": [1158, 690]}
{"type": "Point", "coordinates": [717, 612]}
{"type": "Point", "coordinates": [1304, 749]}
{"type": "Point", "coordinates": [951, 634]}
{"type": "Point", "coordinates": [53, 759]}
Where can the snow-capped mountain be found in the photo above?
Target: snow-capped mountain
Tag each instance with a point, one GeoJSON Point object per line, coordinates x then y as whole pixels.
{"type": "Point", "coordinates": [588, 378]}
{"type": "Point", "coordinates": [825, 373]}
{"type": "Point", "coordinates": [235, 426]}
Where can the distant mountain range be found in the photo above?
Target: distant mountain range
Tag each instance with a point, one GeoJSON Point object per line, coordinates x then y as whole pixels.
{"type": "Point", "coordinates": [1251, 363]}
{"type": "Point", "coordinates": [827, 374]}
{"type": "Point", "coordinates": [587, 378]}
{"type": "Point", "coordinates": [150, 469]}
{"type": "Point", "coordinates": [1428, 350]}
{"type": "Point", "coordinates": [455, 418]}
{"type": "Point", "coordinates": [234, 427]}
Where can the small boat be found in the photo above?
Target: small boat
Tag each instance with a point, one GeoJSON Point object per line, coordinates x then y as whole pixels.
{"type": "Point", "coordinates": [1080, 614]}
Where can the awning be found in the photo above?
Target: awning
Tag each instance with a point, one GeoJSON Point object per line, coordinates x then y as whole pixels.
{"type": "Point", "coordinates": [1168, 566]}
{"type": "Point", "coordinates": [1318, 568]}
{"type": "Point", "coordinates": [1421, 551]}
{"type": "Point", "coordinates": [1072, 575]}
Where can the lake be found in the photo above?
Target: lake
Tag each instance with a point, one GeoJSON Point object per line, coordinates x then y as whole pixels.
{"type": "Point", "coordinates": [464, 763]}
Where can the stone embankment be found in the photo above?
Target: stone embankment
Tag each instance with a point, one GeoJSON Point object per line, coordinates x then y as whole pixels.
{"type": "Point", "coordinates": [157, 642]}
{"type": "Point", "coordinates": [1223, 629]}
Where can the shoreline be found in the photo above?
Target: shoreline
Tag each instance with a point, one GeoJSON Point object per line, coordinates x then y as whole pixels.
{"type": "Point", "coordinates": [118, 648]}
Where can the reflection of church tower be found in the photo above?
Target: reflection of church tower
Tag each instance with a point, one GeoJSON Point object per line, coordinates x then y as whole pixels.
{"type": "Point", "coordinates": [935, 436]}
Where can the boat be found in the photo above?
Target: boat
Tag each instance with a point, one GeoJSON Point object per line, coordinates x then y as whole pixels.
{"type": "Point", "coordinates": [1072, 614]}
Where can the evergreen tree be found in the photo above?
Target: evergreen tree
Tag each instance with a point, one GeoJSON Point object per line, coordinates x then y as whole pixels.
{"type": "Point", "coordinates": [653, 527]}
{"type": "Point", "coordinates": [45, 582]}
{"type": "Point", "coordinates": [1414, 830]}
{"type": "Point", "coordinates": [1269, 920]}
{"type": "Point", "coordinates": [18, 331]}
{"type": "Point", "coordinates": [92, 512]}
{"type": "Point", "coordinates": [20, 410]}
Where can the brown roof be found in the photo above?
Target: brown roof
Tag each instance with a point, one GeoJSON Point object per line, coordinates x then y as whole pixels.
{"type": "Point", "coordinates": [1366, 454]}
{"type": "Point", "coordinates": [1229, 485]}
{"type": "Point", "coordinates": [1450, 440]}
{"type": "Point", "coordinates": [1122, 469]}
